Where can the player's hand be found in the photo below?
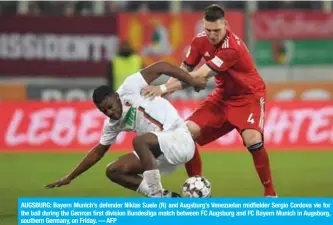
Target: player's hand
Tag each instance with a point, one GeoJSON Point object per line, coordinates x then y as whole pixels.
{"type": "Point", "coordinates": [199, 83]}
{"type": "Point", "coordinates": [151, 92]}
{"type": "Point", "coordinates": [167, 94]}
{"type": "Point", "coordinates": [63, 181]}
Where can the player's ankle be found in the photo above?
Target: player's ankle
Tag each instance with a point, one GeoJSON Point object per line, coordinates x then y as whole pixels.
{"type": "Point", "coordinates": [143, 188]}
{"type": "Point", "coordinates": [269, 191]}
{"type": "Point", "coordinates": [153, 181]}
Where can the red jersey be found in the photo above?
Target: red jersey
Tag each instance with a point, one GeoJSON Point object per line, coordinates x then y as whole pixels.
{"type": "Point", "coordinates": [237, 77]}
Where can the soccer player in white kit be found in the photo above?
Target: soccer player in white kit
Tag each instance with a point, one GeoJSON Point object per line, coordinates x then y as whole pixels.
{"type": "Point", "coordinates": [163, 141]}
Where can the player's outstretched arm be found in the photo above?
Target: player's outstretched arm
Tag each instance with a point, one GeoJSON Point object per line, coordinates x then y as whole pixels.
{"type": "Point", "coordinates": [155, 70]}
{"type": "Point", "coordinates": [94, 155]}
{"type": "Point", "coordinates": [174, 84]}
{"type": "Point", "coordinates": [204, 72]}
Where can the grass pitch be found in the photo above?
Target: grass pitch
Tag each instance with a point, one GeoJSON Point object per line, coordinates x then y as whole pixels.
{"type": "Point", "coordinates": [232, 174]}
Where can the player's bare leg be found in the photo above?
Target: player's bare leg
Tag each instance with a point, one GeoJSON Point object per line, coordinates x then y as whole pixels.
{"type": "Point", "coordinates": [124, 172]}
{"type": "Point", "coordinates": [194, 129]}
{"type": "Point", "coordinates": [254, 143]}
{"type": "Point", "coordinates": [148, 150]}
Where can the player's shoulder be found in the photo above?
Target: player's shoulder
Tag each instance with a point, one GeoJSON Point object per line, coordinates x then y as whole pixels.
{"type": "Point", "coordinates": [110, 125]}
{"type": "Point", "coordinates": [133, 78]}
{"type": "Point", "coordinates": [232, 41]}
{"type": "Point", "coordinates": [232, 45]}
{"type": "Point", "coordinates": [201, 34]}
{"type": "Point", "coordinates": [131, 83]}
{"type": "Point", "coordinates": [200, 37]}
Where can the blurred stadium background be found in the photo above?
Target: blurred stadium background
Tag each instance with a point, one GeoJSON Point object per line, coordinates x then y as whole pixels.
{"type": "Point", "coordinates": [52, 55]}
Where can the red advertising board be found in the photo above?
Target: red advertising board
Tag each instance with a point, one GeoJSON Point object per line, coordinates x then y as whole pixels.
{"type": "Point", "coordinates": [291, 24]}
{"type": "Point", "coordinates": [37, 126]}
{"type": "Point", "coordinates": [58, 46]}
{"type": "Point", "coordinates": [167, 36]}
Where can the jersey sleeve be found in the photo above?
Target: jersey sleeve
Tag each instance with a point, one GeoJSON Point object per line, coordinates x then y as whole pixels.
{"type": "Point", "coordinates": [109, 135]}
{"type": "Point", "coordinates": [193, 55]}
{"type": "Point", "coordinates": [223, 60]}
{"type": "Point", "coordinates": [133, 85]}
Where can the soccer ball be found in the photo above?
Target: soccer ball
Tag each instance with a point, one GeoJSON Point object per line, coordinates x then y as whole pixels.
{"type": "Point", "coordinates": [197, 187]}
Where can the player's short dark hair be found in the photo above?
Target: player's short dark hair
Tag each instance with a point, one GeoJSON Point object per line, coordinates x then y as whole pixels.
{"type": "Point", "coordinates": [101, 92]}
{"type": "Point", "coordinates": [213, 12]}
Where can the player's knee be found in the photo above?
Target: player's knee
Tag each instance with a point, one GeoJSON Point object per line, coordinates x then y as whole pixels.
{"type": "Point", "coordinates": [115, 170]}
{"type": "Point", "coordinates": [252, 138]}
{"type": "Point", "coordinates": [111, 171]}
{"type": "Point", "coordinates": [194, 129]}
{"type": "Point", "coordinates": [255, 147]}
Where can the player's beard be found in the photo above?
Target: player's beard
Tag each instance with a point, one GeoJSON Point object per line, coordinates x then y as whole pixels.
{"type": "Point", "coordinates": [214, 41]}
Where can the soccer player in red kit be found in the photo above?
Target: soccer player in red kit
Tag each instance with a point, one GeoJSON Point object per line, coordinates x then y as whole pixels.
{"type": "Point", "coordinates": [238, 101]}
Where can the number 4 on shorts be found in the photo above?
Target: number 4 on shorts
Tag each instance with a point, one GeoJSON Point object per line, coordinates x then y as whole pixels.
{"type": "Point", "coordinates": [250, 119]}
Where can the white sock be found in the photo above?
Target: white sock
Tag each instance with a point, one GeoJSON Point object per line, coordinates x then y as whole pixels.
{"type": "Point", "coordinates": [153, 181]}
{"type": "Point", "coordinates": [143, 188]}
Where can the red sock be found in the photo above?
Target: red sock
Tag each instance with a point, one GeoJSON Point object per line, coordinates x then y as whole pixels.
{"type": "Point", "coordinates": [194, 166]}
{"type": "Point", "coordinates": [261, 163]}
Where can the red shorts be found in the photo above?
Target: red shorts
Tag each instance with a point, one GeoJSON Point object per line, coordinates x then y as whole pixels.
{"type": "Point", "coordinates": [216, 120]}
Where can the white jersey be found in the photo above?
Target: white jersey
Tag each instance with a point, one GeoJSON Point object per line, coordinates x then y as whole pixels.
{"type": "Point", "coordinates": [140, 115]}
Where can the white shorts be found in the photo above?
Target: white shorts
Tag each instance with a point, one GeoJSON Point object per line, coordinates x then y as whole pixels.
{"type": "Point", "coordinates": [177, 147]}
